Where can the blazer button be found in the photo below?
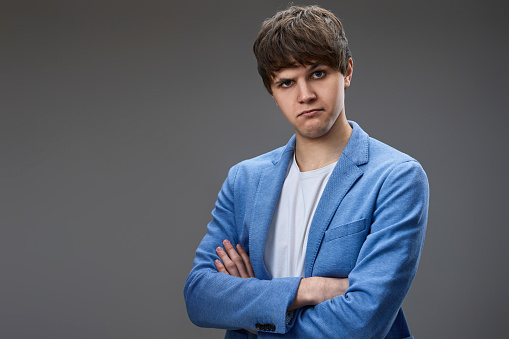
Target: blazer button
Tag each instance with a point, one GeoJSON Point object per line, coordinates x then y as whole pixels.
{"type": "Point", "coordinates": [265, 327]}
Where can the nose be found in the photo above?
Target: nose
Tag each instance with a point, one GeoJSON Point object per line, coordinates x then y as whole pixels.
{"type": "Point", "coordinates": [306, 93]}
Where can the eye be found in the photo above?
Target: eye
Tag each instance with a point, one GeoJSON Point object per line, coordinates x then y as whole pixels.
{"type": "Point", "coordinates": [318, 74]}
{"type": "Point", "coordinates": [287, 83]}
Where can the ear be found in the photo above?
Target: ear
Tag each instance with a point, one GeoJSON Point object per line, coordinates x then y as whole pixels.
{"type": "Point", "coordinates": [272, 95]}
{"type": "Point", "coordinates": [349, 72]}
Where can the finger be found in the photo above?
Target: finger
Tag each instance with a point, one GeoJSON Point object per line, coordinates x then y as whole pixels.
{"type": "Point", "coordinates": [236, 259]}
{"type": "Point", "coordinates": [228, 264]}
{"type": "Point", "coordinates": [220, 266]}
{"type": "Point", "coordinates": [247, 262]}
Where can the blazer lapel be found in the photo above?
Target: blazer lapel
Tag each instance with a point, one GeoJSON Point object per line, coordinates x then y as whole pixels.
{"type": "Point", "coordinates": [344, 175]}
{"type": "Point", "coordinates": [267, 195]}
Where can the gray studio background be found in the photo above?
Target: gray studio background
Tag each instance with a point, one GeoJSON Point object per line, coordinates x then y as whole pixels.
{"type": "Point", "coordinates": [120, 119]}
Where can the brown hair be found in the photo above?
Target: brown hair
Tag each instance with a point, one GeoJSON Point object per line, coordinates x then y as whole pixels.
{"type": "Point", "coordinates": [300, 35]}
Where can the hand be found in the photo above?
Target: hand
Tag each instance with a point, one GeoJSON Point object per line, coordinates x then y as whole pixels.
{"type": "Point", "coordinates": [234, 262]}
{"type": "Point", "coordinates": [315, 290]}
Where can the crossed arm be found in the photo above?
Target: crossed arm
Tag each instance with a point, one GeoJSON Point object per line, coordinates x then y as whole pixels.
{"type": "Point", "coordinates": [383, 272]}
{"type": "Point", "coordinates": [312, 290]}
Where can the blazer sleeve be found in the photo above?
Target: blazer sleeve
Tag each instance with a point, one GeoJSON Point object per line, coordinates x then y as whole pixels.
{"type": "Point", "coordinates": [385, 268]}
{"type": "Point", "coordinates": [219, 300]}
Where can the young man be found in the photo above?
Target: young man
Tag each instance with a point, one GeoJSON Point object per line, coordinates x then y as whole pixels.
{"type": "Point", "coordinates": [320, 238]}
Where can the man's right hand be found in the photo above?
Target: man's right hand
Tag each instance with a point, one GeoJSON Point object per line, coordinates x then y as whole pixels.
{"type": "Point", "coordinates": [234, 262]}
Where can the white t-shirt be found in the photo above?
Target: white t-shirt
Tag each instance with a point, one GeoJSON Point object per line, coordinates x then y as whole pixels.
{"type": "Point", "coordinates": [285, 249]}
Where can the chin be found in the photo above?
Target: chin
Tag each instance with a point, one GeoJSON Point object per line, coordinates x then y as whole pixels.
{"type": "Point", "coordinates": [314, 134]}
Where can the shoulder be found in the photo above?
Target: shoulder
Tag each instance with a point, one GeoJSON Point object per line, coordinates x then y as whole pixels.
{"type": "Point", "coordinates": [382, 153]}
{"type": "Point", "coordinates": [379, 161]}
{"type": "Point", "coordinates": [382, 156]}
{"type": "Point", "coordinates": [246, 174]}
{"type": "Point", "coordinates": [255, 166]}
{"type": "Point", "coordinates": [362, 149]}
{"type": "Point", "coordinates": [394, 167]}
{"type": "Point", "coordinates": [263, 160]}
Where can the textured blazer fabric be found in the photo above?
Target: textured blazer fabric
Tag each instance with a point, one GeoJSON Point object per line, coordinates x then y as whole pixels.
{"type": "Point", "coordinates": [369, 226]}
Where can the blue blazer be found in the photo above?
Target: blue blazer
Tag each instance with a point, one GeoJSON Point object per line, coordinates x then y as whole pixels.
{"type": "Point", "coordinates": [369, 226]}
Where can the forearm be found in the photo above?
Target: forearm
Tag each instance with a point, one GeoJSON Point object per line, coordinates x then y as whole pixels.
{"type": "Point", "coordinates": [366, 310]}
{"type": "Point", "coordinates": [219, 300]}
{"type": "Point", "coordinates": [378, 286]}
{"type": "Point", "coordinates": [361, 313]}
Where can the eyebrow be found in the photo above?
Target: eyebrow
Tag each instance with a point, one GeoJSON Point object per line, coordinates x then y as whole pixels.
{"type": "Point", "coordinates": [311, 69]}
{"type": "Point", "coordinates": [314, 66]}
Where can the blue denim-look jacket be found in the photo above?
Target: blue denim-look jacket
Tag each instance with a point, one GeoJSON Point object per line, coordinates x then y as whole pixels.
{"type": "Point", "coordinates": [369, 226]}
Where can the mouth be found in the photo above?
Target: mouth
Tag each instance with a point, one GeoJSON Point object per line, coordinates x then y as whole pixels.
{"type": "Point", "coordinates": [310, 112]}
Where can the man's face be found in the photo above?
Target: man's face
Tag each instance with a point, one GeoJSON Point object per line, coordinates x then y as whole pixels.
{"type": "Point", "coordinates": [311, 97]}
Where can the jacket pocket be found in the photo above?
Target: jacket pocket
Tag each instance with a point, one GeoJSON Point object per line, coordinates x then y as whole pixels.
{"type": "Point", "coordinates": [340, 249]}
{"type": "Point", "coordinates": [346, 229]}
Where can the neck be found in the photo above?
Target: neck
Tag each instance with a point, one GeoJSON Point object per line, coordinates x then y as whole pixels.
{"type": "Point", "coordinates": [319, 152]}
